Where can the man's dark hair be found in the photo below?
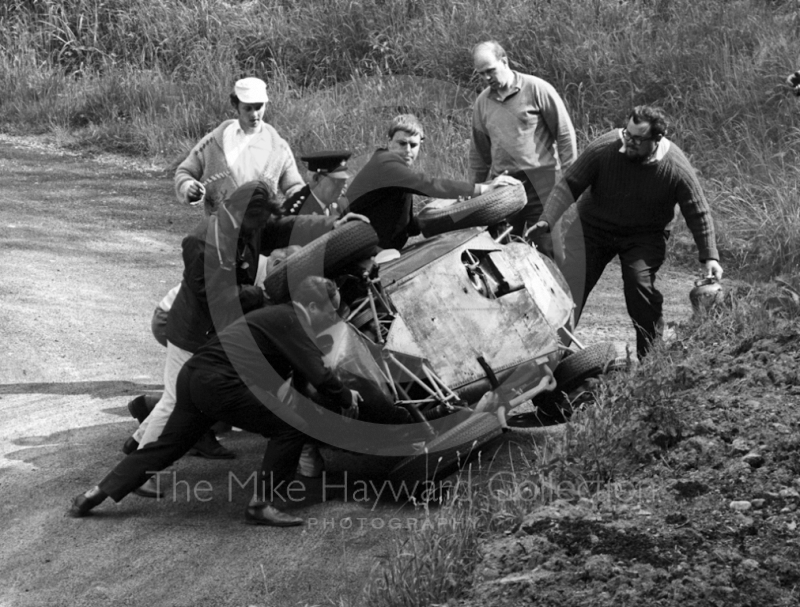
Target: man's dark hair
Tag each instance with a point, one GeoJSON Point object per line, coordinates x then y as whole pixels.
{"type": "Point", "coordinates": [655, 116]}
{"type": "Point", "coordinates": [315, 289]}
{"type": "Point", "coordinates": [235, 101]}
{"type": "Point", "coordinates": [264, 196]}
{"type": "Point", "coordinates": [251, 196]}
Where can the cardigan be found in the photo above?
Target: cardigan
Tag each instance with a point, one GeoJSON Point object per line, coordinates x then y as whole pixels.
{"type": "Point", "coordinates": [206, 163]}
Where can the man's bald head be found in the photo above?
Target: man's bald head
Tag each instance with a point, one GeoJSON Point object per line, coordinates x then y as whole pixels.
{"type": "Point", "coordinates": [491, 64]}
{"type": "Point", "coordinates": [490, 46]}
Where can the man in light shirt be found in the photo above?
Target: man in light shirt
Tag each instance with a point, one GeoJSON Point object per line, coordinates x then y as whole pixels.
{"type": "Point", "coordinates": [236, 152]}
{"type": "Point", "coordinates": [520, 127]}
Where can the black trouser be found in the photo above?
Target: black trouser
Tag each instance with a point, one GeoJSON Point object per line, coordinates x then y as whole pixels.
{"type": "Point", "coordinates": [587, 252]}
{"type": "Point", "coordinates": [203, 398]}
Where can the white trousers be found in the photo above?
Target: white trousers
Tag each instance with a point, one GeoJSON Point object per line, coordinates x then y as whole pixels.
{"type": "Point", "coordinates": [151, 428]}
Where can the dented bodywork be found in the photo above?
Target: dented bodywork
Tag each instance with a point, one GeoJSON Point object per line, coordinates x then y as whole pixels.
{"type": "Point", "coordinates": [462, 307]}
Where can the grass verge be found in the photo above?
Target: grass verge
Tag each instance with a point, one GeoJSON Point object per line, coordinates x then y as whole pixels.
{"type": "Point", "coordinates": [634, 421]}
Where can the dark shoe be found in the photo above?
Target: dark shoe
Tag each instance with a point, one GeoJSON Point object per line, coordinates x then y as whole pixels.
{"type": "Point", "coordinates": [221, 428]}
{"type": "Point", "coordinates": [149, 489]}
{"type": "Point", "coordinates": [138, 408]}
{"type": "Point", "coordinates": [130, 445]}
{"type": "Point", "coordinates": [208, 446]}
{"type": "Point", "coordinates": [267, 514]}
{"type": "Point", "coordinates": [81, 505]}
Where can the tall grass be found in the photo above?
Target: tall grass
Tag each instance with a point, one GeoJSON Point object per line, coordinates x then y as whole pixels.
{"type": "Point", "coordinates": [149, 77]}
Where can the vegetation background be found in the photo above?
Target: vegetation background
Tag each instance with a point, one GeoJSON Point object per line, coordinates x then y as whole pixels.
{"type": "Point", "coordinates": [150, 77]}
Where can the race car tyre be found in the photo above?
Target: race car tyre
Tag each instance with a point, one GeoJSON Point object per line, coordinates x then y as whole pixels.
{"type": "Point", "coordinates": [536, 424]}
{"type": "Point", "coordinates": [592, 361]}
{"type": "Point", "coordinates": [440, 216]}
{"type": "Point", "coordinates": [325, 256]}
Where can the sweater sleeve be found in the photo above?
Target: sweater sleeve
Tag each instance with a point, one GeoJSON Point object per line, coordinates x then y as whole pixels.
{"type": "Point", "coordinates": [480, 150]}
{"type": "Point", "coordinates": [191, 169]}
{"type": "Point", "coordinates": [290, 180]}
{"type": "Point", "coordinates": [305, 357]}
{"type": "Point", "coordinates": [694, 207]}
{"type": "Point", "coordinates": [193, 253]}
{"type": "Point", "coordinates": [576, 179]}
{"type": "Point", "coordinates": [397, 174]}
{"type": "Point", "coordinates": [556, 117]}
{"type": "Point", "coordinates": [215, 285]}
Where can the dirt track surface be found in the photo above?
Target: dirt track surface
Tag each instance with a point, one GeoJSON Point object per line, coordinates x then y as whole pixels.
{"type": "Point", "coordinates": [87, 249]}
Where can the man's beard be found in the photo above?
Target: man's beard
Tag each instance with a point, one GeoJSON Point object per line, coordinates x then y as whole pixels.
{"type": "Point", "coordinates": [637, 159]}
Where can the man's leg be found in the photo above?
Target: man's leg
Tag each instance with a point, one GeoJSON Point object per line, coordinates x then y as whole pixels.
{"type": "Point", "coordinates": [184, 426]}
{"type": "Point", "coordinates": [232, 402]}
{"type": "Point", "coordinates": [280, 461]}
{"type": "Point", "coordinates": [641, 257]}
{"type": "Point", "coordinates": [149, 431]}
{"type": "Point", "coordinates": [152, 426]}
{"type": "Point", "coordinates": [587, 251]}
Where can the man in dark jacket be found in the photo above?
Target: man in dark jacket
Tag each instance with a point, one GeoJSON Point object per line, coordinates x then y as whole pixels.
{"type": "Point", "coordinates": [382, 190]}
{"type": "Point", "coordinates": [329, 175]}
{"type": "Point", "coordinates": [220, 264]}
{"type": "Point", "coordinates": [236, 378]}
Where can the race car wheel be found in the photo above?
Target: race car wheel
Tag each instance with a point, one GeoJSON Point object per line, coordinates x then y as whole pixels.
{"type": "Point", "coordinates": [324, 256]}
{"type": "Point", "coordinates": [592, 361]}
{"type": "Point", "coordinates": [536, 424]}
{"type": "Point", "coordinates": [440, 216]}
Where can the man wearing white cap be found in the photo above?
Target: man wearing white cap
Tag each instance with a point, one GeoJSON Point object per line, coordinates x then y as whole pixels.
{"type": "Point", "coordinates": [238, 151]}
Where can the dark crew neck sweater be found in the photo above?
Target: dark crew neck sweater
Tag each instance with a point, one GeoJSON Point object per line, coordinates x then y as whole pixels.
{"type": "Point", "coordinates": [626, 197]}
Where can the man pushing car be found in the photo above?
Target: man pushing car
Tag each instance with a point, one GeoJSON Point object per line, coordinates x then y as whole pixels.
{"type": "Point", "coordinates": [236, 378]}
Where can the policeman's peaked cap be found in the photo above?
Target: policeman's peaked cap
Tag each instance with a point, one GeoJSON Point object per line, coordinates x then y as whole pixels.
{"type": "Point", "coordinates": [332, 163]}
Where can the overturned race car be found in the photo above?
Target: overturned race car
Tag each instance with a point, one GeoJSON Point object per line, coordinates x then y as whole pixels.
{"type": "Point", "coordinates": [451, 335]}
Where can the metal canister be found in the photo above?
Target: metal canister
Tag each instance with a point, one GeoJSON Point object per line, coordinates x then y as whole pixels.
{"type": "Point", "coordinates": [705, 294]}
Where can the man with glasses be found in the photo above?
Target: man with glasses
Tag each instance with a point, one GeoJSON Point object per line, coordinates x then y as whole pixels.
{"type": "Point", "coordinates": [520, 127]}
{"type": "Point", "coordinates": [632, 179]}
{"type": "Point", "coordinates": [793, 80]}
